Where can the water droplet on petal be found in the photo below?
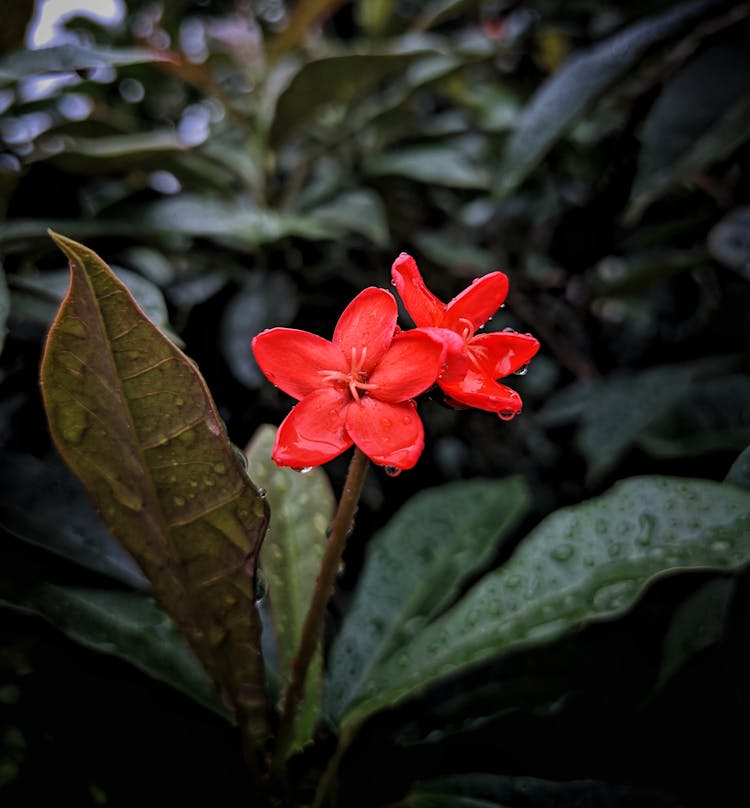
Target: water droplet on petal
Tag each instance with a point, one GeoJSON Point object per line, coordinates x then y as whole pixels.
{"type": "Point", "coordinates": [303, 470]}
{"type": "Point", "coordinates": [392, 471]}
{"type": "Point", "coordinates": [507, 415]}
{"type": "Point", "coordinates": [522, 371]}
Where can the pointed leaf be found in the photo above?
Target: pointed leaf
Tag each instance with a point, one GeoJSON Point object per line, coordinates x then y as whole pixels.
{"type": "Point", "coordinates": [415, 568]}
{"type": "Point", "coordinates": [45, 505]}
{"type": "Point", "coordinates": [128, 625]}
{"type": "Point", "coordinates": [301, 507]}
{"type": "Point", "coordinates": [581, 564]}
{"type": "Point", "coordinates": [579, 82]}
{"type": "Point", "coordinates": [701, 115]}
{"type": "Point", "coordinates": [133, 418]}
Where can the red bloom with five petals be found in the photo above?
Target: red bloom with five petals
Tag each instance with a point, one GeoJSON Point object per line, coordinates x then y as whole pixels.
{"type": "Point", "coordinates": [470, 377]}
{"type": "Point", "coordinates": [356, 389]}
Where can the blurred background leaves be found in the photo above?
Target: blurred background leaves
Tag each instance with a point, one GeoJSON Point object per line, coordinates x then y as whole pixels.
{"type": "Point", "coordinates": [252, 163]}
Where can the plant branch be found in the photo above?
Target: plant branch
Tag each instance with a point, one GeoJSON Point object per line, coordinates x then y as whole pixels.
{"type": "Point", "coordinates": [313, 626]}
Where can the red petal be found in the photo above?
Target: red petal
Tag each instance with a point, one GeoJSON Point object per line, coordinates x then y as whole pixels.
{"type": "Point", "coordinates": [477, 303]}
{"type": "Point", "coordinates": [425, 309]}
{"type": "Point", "coordinates": [389, 434]}
{"type": "Point", "coordinates": [503, 352]}
{"type": "Point", "coordinates": [314, 431]}
{"type": "Point", "coordinates": [454, 360]}
{"type": "Point", "coordinates": [409, 367]}
{"type": "Point", "coordinates": [292, 359]}
{"type": "Point", "coordinates": [484, 393]}
{"type": "Point", "coordinates": [368, 322]}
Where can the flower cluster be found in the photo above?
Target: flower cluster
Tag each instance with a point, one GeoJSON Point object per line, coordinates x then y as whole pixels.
{"type": "Point", "coordinates": [359, 388]}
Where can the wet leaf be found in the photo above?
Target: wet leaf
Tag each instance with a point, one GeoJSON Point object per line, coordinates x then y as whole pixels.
{"type": "Point", "coordinates": [701, 116]}
{"type": "Point", "coordinates": [302, 506]}
{"type": "Point", "coordinates": [267, 299]}
{"type": "Point", "coordinates": [45, 505]}
{"type": "Point", "coordinates": [133, 418]}
{"type": "Point", "coordinates": [581, 80]}
{"type": "Point", "coordinates": [415, 568]}
{"type": "Point", "coordinates": [129, 625]}
{"type": "Point", "coordinates": [582, 563]}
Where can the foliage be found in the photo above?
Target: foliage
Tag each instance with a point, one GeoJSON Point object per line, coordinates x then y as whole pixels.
{"type": "Point", "coordinates": [573, 576]}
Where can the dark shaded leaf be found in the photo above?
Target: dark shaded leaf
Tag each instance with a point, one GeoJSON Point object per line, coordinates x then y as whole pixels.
{"type": "Point", "coordinates": [436, 165]}
{"type": "Point", "coordinates": [134, 419]}
{"type": "Point", "coordinates": [582, 79]}
{"type": "Point", "coordinates": [267, 299]}
{"type": "Point", "coordinates": [739, 474]}
{"type": "Point", "coordinates": [359, 211]}
{"type": "Point", "coordinates": [45, 505]}
{"type": "Point", "coordinates": [4, 308]}
{"type": "Point", "coordinates": [729, 241]}
{"type": "Point", "coordinates": [129, 625]}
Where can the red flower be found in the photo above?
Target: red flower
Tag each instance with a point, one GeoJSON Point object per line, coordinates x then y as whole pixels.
{"type": "Point", "coordinates": [357, 389]}
{"type": "Point", "coordinates": [470, 377]}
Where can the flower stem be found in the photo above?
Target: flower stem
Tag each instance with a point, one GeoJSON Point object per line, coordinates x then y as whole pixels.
{"type": "Point", "coordinates": [314, 621]}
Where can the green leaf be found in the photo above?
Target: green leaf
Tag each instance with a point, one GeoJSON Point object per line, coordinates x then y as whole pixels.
{"type": "Point", "coordinates": [616, 410]}
{"type": "Point", "coordinates": [37, 297]}
{"type": "Point", "coordinates": [739, 474]}
{"type": "Point", "coordinates": [44, 504]}
{"type": "Point", "coordinates": [333, 80]}
{"type": "Point", "coordinates": [133, 418]}
{"type": "Point", "coordinates": [415, 567]}
{"type": "Point", "coordinates": [437, 165]}
{"type": "Point", "coordinates": [302, 507]}
{"type": "Point", "coordinates": [454, 252]}
{"type": "Point", "coordinates": [360, 211]}
{"type": "Point", "coordinates": [714, 417]}
{"type": "Point", "coordinates": [129, 625]}
{"type": "Point", "coordinates": [479, 790]}
{"type": "Point", "coordinates": [698, 623]}
{"type": "Point", "coordinates": [582, 79]}
{"type": "Point", "coordinates": [4, 308]}
{"type": "Point", "coordinates": [701, 116]}
{"type": "Point", "coordinates": [267, 299]}
{"type": "Point", "coordinates": [582, 563]}
{"type": "Point", "coordinates": [67, 58]}
{"type": "Point", "coordinates": [729, 241]}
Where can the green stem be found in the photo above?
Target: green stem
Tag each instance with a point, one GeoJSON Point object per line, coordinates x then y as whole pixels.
{"type": "Point", "coordinates": [314, 621]}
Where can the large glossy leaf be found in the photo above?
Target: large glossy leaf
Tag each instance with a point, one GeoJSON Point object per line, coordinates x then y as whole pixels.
{"type": "Point", "coordinates": [65, 58]}
{"type": "Point", "coordinates": [129, 625]}
{"type": "Point", "coordinates": [134, 419]}
{"type": "Point", "coordinates": [702, 114]}
{"type": "Point", "coordinates": [332, 80]}
{"type": "Point", "coordinates": [415, 568]}
{"type": "Point", "coordinates": [302, 507]}
{"type": "Point", "coordinates": [45, 505]}
{"type": "Point", "coordinates": [581, 81]}
{"type": "Point", "coordinates": [582, 563]}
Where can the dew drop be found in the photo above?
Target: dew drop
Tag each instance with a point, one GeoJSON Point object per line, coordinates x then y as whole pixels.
{"type": "Point", "coordinates": [507, 415]}
{"type": "Point", "coordinates": [392, 471]}
{"type": "Point", "coordinates": [721, 546]}
{"type": "Point", "coordinates": [261, 492]}
{"type": "Point", "coordinates": [647, 524]}
{"type": "Point", "coordinates": [563, 552]}
{"type": "Point", "coordinates": [522, 371]}
{"type": "Point", "coordinates": [261, 587]}
{"type": "Point", "coordinates": [219, 468]}
{"type": "Point", "coordinates": [179, 501]}
{"type": "Point", "coordinates": [303, 470]}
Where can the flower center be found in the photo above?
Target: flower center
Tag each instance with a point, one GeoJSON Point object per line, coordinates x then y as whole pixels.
{"type": "Point", "coordinates": [355, 380]}
{"type": "Point", "coordinates": [466, 328]}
